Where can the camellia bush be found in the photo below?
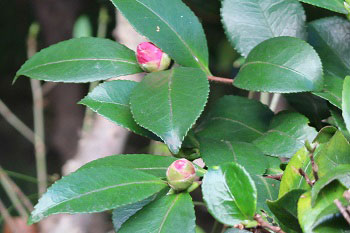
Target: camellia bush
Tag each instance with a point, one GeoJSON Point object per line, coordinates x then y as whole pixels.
{"type": "Point", "coordinates": [264, 172]}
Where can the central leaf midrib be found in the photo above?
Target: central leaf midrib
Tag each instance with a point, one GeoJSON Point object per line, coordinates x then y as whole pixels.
{"type": "Point", "coordinates": [276, 65]}
{"type": "Point", "coordinates": [104, 189]}
{"type": "Point", "coordinates": [167, 213]}
{"type": "Point", "coordinates": [77, 60]}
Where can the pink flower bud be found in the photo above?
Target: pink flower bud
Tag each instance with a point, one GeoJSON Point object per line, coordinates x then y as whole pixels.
{"type": "Point", "coordinates": [181, 174]}
{"type": "Point", "coordinates": [151, 58]}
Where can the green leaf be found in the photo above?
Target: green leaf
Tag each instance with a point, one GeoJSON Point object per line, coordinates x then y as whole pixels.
{"type": "Point", "coordinates": [291, 178]}
{"type": "Point", "coordinates": [281, 65]}
{"type": "Point", "coordinates": [229, 193]}
{"type": "Point", "coordinates": [168, 103]}
{"type": "Point", "coordinates": [336, 152]}
{"type": "Point", "coordinates": [327, 36]}
{"type": "Point", "coordinates": [339, 123]}
{"type": "Point", "coordinates": [111, 100]}
{"type": "Point", "coordinates": [308, 215]}
{"type": "Point", "coordinates": [81, 60]}
{"type": "Point", "coordinates": [333, 5]}
{"type": "Point", "coordinates": [287, 134]}
{"type": "Point", "coordinates": [325, 134]}
{"type": "Point", "coordinates": [152, 164]}
{"type": "Point", "coordinates": [267, 190]}
{"type": "Point", "coordinates": [346, 102]}
{"type": "Point", "coordinates": [172, 26]}
{"type": "Point", "coordinates": [96, 189]}
{"type": "Point", "coordinates": [235, 118]}
{"type": "Point", "coordinates": [285, 209]}
{"type": "Point", "coordinates": [168, 214]}
{"type": "Point", "coordinates": [341, 173]}
{"type": "Point", "coordinates": [328, 156]}
{"type": "Point", "coordinates": [249, 22]}
{"type": "Point", "coordinates": [123, 213]}
{"type": "Point", "coordinates": [215, 152]}
{"type": "Point", "coordinates": [332, 90]}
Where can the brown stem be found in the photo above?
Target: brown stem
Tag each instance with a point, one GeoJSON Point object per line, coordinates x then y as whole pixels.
{"type": "Point", "coordinates": [306, 177]}
{"type": "Point", "coordinates": [8, 219]}
{"type": "Point", "coordinates": [16, 190]}
{"type": "Point", "coordinates": [314, 165]}
{"type": "Point", "coordinates": [220, 80]}
{"type": "Point", "coordinates": [342, 210]}
{"type": "Point", "coordinates": [264, 224]}
{"type": "Point", "coordinates": [275, 177]}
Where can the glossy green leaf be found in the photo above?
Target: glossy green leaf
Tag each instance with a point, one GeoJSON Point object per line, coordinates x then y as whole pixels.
{"type": "Point", "coordinates": [339, 123]}
{"type": "Point", "coordinates": [325, 134]}
{"type": "Point", "coordinates": [291, 178]}
{"type": "Point", "coordinates": [172, 26]}
{"type": "Point", "coordinates": [333, 5]}
{"type": "Point", "coordinates": [341, 173]}
{"type": "Point", "coordinates": [168, 103]}
{"type": "Point", "coordinates": [327, 36]}
{"type": "Point", "coordinates": [331, 220]}
{"type": "Point", "coordinates": [123, 213]}
{"type": "Point", "coordinates": [287, 134]}
{"type": "Point", "coordinates": [229, 193]}
{"type": "Point", "coordinates": [215, 152]}
{"type": "Point", "coordinates": [281, 65]}
{"type": "Point", "coordinates": [111, 100]}
{"type": "Point", "coordinates": [152, 164]}
{"type": "Point", "coordinates": [235, 118]}
{"type": "Point", "coordinates": [336, 152]}
{"type": "Point", "coordinates": [267, 189]}
{"type": "Point", "coordinates": [308, 215]}
{"type": "Point", "coordinates": [81, 60]}
{"type": "Point", "coordinates": [346, 102]}
{"type": "Point", "coordinates": [332, 90]}
{"type": "Point", "coordinates": [247, 23]}
{"type": "Point", "coordinates": [285, 209]}
{"type": "Point", "coordinates": [328, 156]}
{"type": "Point", "coordinates": [168, 214]}
{"type": "Point", "coordinates": [78, 192]}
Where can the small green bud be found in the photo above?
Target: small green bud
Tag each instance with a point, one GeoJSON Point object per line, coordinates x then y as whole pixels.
{"type": "Point", "coordinates": [181, 174]}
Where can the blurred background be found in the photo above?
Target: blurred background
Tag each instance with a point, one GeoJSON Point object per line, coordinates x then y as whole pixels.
{"type": "Point", "coordinates": [67, 145]}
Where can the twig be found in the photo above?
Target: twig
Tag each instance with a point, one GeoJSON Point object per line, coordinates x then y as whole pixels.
{"type": "Point", "coordinates": [13, 120]}
{"type": "Point", "coordinates": [275, 177]}
{"type": "Point", "coordinates": [314, 165]}
{"type": "Point", "coordinates": [7, 218]}
{"type": "Point", "coordinates": [275, 101]}
{"type": "Point", "coordinates": [342, 210]}
{"type": "Point", "coordinates": [38, 103]}
{"type": "Point", "coordinates": [47, 87]}
{"type": "Point", "coordinates": [199, 203]}
{"type": "Point", "coordinates": [265, 98]}
{"type": "Point", "coordinates": [215, 226]}
{"type": "Point", "coordinates": [264, 224]}
{"type": "Point", "coordinates": [17, 190]}
{"type": "Point", "coordinates": [306, 177]}
{"type": "Point", "coordinates": [251, 95]}
{"type": "Point", "coordinates": [220, 80]}
{"type": "Point", "coordinates": [13, 197]}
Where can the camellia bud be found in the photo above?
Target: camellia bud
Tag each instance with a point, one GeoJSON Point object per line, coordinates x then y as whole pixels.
{"type": "Point", "coordinates": [181, 174]}
{"type": "Point", "coordinates": [151, 58]}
